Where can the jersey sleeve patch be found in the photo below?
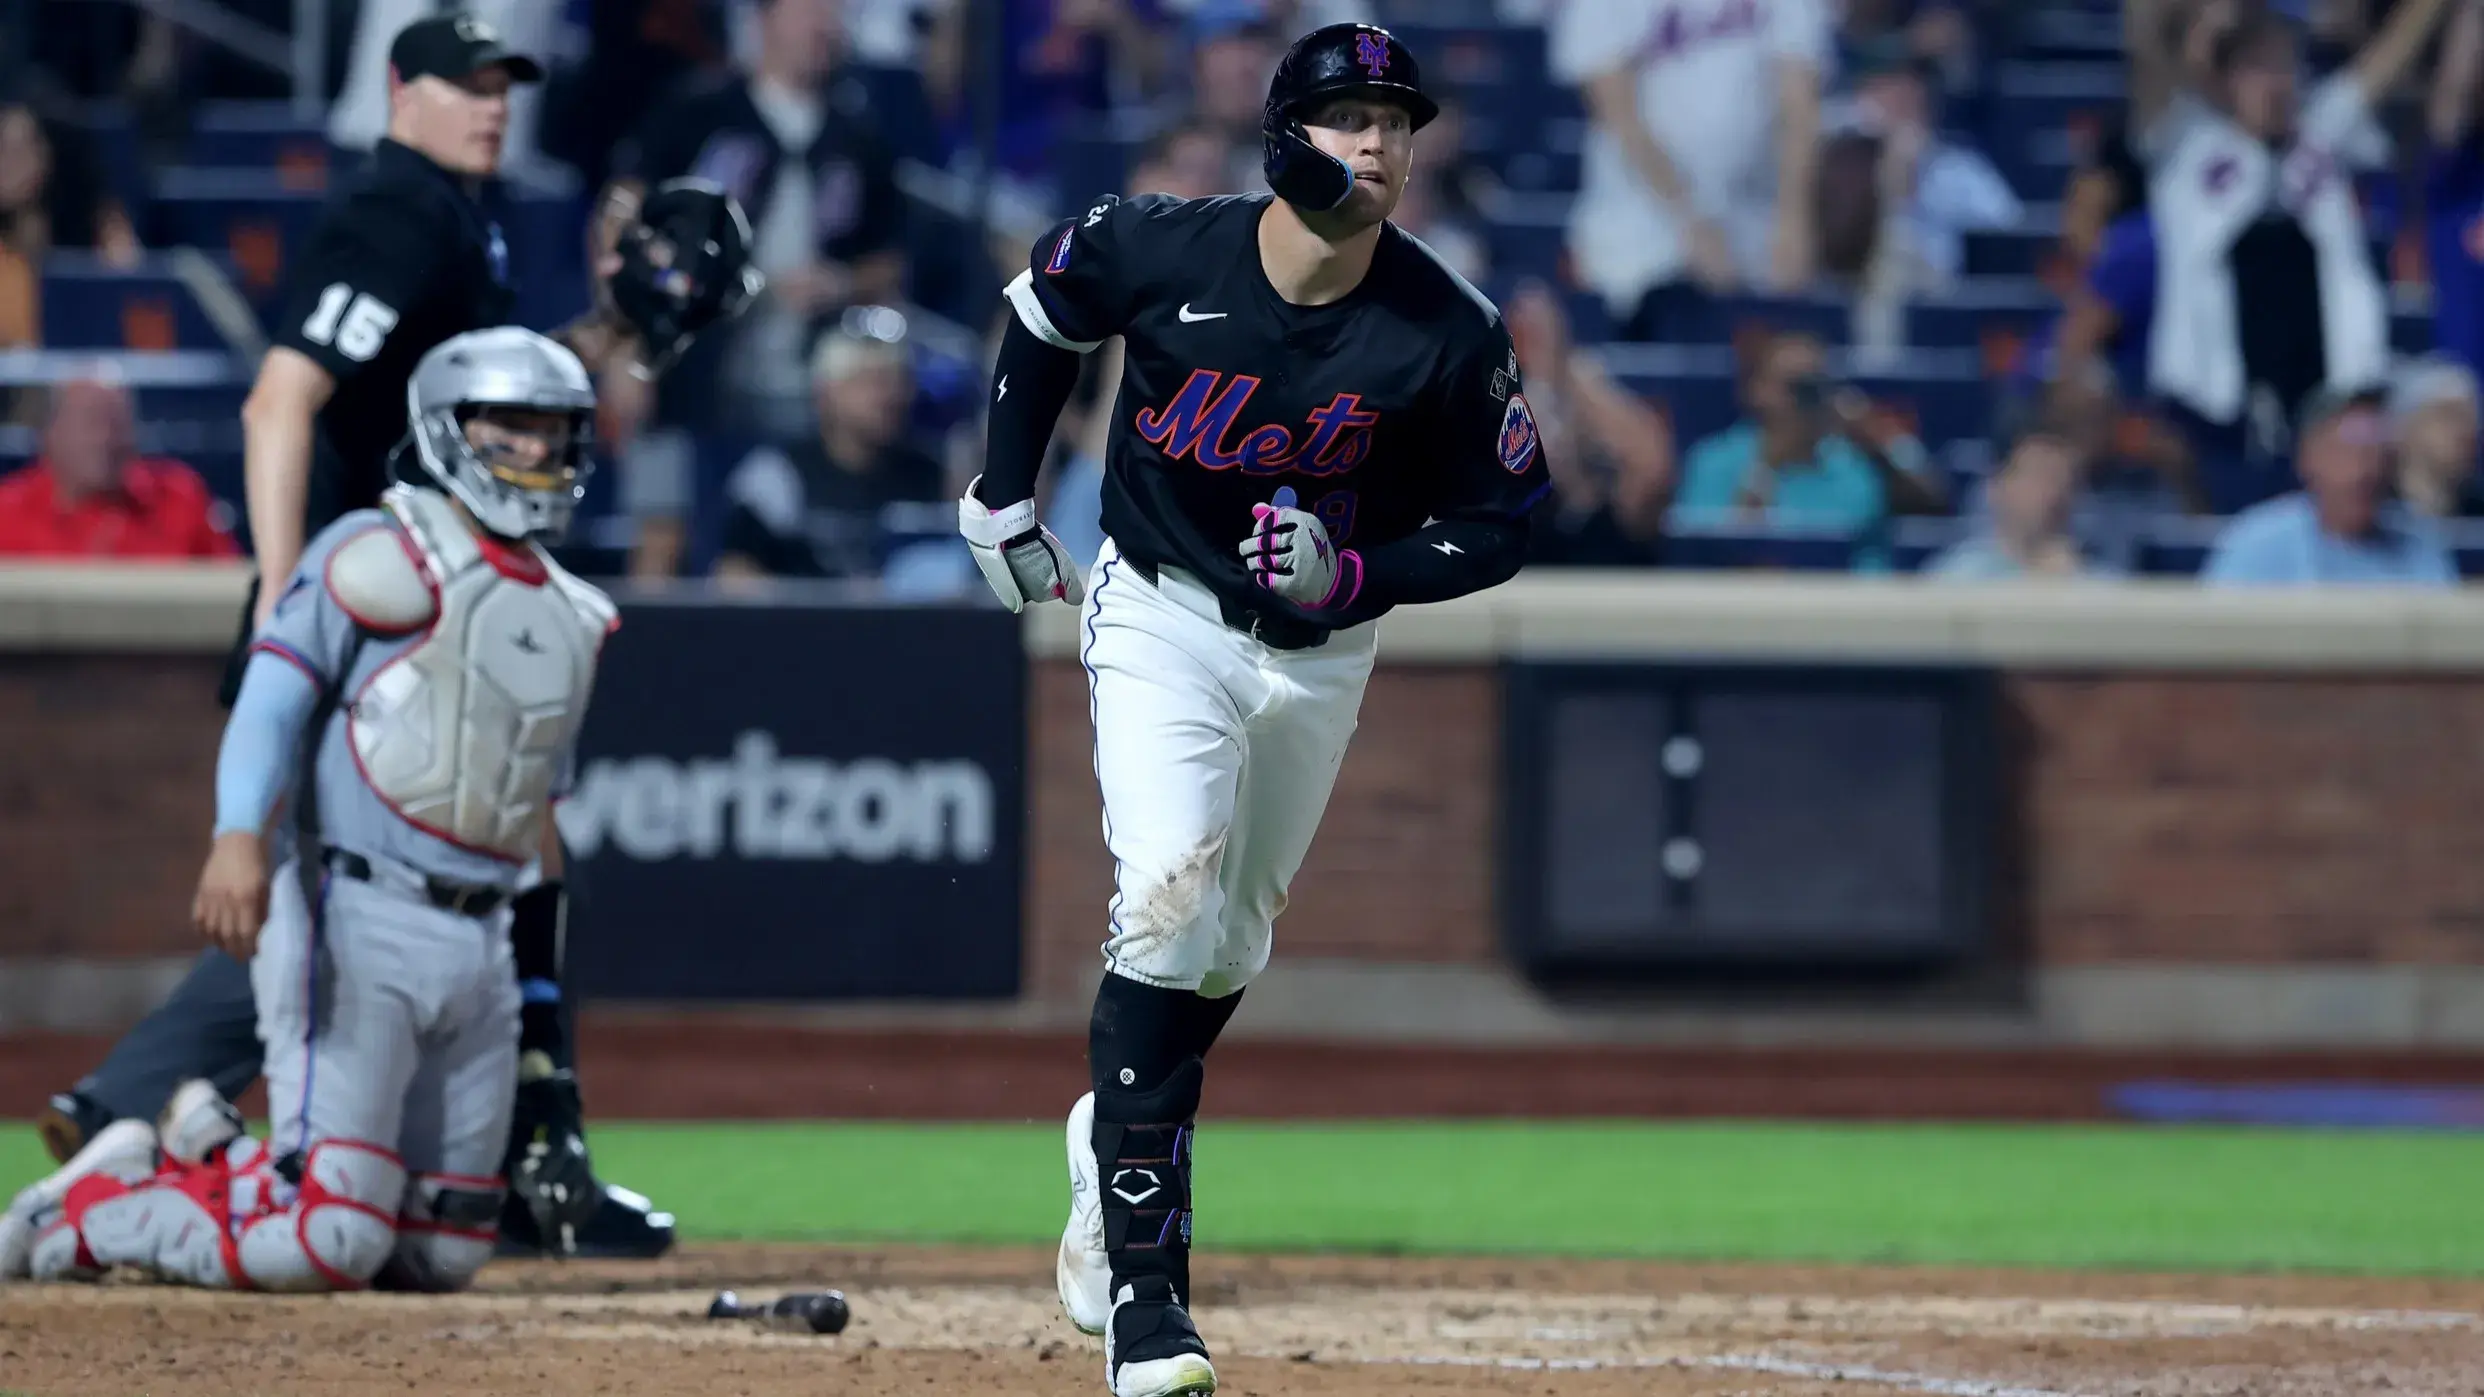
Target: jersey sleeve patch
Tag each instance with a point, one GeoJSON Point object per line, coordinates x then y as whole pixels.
{"type": "Point", "coordinates": [1059, 261]}
{"type": "Point", "coordinates": [1518, 438]}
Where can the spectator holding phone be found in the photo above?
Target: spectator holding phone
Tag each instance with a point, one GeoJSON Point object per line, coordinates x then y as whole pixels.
{"type": "Point", "coordinates": [1810, 453]}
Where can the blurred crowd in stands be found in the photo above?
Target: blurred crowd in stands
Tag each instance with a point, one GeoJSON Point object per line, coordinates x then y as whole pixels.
{"type": "Point", "coordinates": [1973, 288]}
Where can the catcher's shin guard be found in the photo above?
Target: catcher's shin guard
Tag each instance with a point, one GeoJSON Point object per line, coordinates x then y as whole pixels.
{"type": "Point", "coordinates": [445, 1233]}
{"type": "Point", "coordinates": [341, 1228]}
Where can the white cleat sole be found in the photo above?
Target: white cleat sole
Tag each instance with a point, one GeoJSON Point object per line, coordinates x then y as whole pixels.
{"type": "Point", "coordinates": [1188, 1375]}
{"type": "Point", "coordinates": [196, 1122]}
{"type": "Point", "coordinates": [122, 1144]}
{"type": "Point", "coordinates": [1081, 1272]}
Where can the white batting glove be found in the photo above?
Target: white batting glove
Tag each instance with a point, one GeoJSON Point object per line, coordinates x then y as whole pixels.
{"type": "Point", "coordinates": [1019, 557]}
{"type": "Point", "coordinates": [1288, 553]}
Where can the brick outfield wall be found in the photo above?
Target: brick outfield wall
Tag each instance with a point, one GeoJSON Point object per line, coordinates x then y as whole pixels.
{"type": "Point", "coordinates": [2179, 819]}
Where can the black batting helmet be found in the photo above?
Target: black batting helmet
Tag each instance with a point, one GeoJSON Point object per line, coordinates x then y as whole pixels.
{"type": "Point", "coordinates": [1340, 60]}
{"type": "Point", "coordinates": [685, 265]}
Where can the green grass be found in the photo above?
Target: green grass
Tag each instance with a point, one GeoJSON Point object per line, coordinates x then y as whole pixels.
{"type": "Point", "coordinates": [2147, 1198]}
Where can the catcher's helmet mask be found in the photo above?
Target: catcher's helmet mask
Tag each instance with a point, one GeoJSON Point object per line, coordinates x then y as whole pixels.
{"type": "Point", "coordinates": [1336, 61]}
{"type": "Point", "coordinates": [685, 265]}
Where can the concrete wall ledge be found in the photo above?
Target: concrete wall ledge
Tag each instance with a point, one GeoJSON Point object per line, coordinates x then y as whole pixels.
{"type": "Point", "coordinates": [2125, 626]}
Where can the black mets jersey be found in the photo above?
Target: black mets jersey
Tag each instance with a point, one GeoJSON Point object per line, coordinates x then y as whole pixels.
{"type": "Point", "coordinates": [1393, 414]}
{"type": "Point", "coordinates": [405, 259]}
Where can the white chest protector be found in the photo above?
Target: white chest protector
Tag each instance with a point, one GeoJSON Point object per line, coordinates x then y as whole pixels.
{"type": "Point", "coordinates": [464, 732]}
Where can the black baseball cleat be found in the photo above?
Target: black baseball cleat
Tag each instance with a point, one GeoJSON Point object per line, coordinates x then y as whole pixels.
{"type": "Point", "coordinates": [1151, 1349]}
{"type": "Point", "coordinates": [67, 1122]}
{"type": "Point", "coordinates": [626, 1227]}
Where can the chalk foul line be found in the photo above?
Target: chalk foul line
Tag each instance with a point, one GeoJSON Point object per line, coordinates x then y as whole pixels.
{"type": "Point", "coordinates": [1925, 1383]}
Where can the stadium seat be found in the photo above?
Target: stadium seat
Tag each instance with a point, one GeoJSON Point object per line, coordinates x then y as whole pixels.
{"type": "Point", "coordinates": [90, 305]}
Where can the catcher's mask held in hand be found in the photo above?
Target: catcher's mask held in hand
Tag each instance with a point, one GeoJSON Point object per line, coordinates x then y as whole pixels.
{"type": "Point", "coordinates": [501, 419]}
{"type": "Point", "coordinates": [685, 265]}
{"type": "Point", "coordinates": [1340, 60]}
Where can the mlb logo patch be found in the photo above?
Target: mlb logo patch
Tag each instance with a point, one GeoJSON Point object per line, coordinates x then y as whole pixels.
{"type": "Point", "coordinates": [1518, 435]}
{"type": "Point", "coordinates": [1060, 253]}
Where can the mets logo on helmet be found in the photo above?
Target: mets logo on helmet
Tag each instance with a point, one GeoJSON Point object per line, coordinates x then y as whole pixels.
{"type": "Point", "coordinates": [1372, 52]}
{"type": "Point", "coordinates": [1518, 434]}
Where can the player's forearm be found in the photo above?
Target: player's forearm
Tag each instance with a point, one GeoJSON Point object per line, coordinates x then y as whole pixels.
{"type": "Point", "coordinates": [1031, 383]}
{"type": "Point", "coordinates": [1445, 559]}
{"type": "Point", "coordinates": [265, 729]}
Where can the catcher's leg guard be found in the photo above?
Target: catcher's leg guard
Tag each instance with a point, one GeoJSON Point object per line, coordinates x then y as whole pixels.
{"type": "Point", "coordinates": [341, 1228]}
{"type": "Point", "coordinates": [178, 1225]}
{"type": "Point", "coordinates": [445, 1232]}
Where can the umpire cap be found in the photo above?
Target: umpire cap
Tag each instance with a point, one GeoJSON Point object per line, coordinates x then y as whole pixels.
{"type": "Point", "coordinates": [456, 47]}
{"type": "Point", "coordinates": [1338, 60]}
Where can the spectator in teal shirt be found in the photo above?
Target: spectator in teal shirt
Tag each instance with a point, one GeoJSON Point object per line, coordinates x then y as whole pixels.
{"type": "Point", "coordinates": [2340, 528]}
{"type": "Point", "coordinates": [1806, 457]}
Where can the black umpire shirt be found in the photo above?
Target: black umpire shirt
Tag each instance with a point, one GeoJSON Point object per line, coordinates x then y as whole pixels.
{"type": "Point", "coordinates": [1394, 408]}
{"type": "Point", "coordinates": [406, 258]}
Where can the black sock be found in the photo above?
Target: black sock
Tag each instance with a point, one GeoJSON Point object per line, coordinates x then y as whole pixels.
{"type": "Point", "coordinates": [1145, 1031]}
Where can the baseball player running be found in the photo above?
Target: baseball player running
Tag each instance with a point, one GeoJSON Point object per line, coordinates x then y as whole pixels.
{"type": "Point", "coordinates": [1318, 421]}
{"type": "Point", "coordinates": [442, 663]}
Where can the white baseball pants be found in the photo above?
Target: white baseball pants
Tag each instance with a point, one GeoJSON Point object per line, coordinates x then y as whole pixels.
{"type": "Point", "coordinates": [1216, 754]}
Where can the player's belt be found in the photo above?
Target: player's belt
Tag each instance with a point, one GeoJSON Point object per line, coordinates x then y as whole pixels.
{"type": "Point", "coordinates": [464, 899]}
{"type": "Point", "coordinates": [1275, 632]}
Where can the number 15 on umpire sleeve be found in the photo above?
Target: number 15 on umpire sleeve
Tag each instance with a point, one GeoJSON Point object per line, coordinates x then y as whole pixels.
{"type": "Point", "coordinates": [353, 322]}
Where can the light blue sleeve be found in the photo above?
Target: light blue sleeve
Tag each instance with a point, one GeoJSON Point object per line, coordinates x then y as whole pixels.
{"type": "Point", "coordinates": [2247, 554]}
{"type": "Point", "coordinates": [2439, 568]}
{"type": "Point", "coordinates": [308, 625]}
{"type": "Point", "coordinates": [260, 738]}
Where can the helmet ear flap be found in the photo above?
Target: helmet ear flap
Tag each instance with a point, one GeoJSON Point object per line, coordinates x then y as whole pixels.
{"type": "Point", "coordinates": [1299, 172]}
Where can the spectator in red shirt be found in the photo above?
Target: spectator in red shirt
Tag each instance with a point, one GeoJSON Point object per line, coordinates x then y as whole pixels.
{"type": "Point", "coordinates": [90, 495]}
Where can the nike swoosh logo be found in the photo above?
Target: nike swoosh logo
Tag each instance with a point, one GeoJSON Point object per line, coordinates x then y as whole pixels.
{"type": "Point", "coordinates": [1191, 317]}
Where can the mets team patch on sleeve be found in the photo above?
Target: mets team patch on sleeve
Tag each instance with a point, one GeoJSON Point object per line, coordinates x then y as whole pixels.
{"type": "Point", "coordinates": [1518, 435]}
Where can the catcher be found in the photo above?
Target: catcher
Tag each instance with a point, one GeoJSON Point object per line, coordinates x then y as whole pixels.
{"type": "Point", "coordinates": [669, 268]}
{"type": "Point", "coordinates": [439, 662]}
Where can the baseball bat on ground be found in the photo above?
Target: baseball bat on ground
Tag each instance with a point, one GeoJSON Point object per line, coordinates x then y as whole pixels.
{"type": "Point", "coordinates": [803, 1312]}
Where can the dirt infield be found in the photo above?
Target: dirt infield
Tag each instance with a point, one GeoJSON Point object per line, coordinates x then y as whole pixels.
{"type": "Point", "coordinates": [942, 1320]}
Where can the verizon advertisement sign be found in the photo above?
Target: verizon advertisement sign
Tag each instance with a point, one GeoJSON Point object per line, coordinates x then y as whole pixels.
{"type": "Point", "coordinates": [800, 803]}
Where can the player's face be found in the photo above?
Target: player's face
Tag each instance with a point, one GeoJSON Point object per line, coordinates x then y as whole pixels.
{"type": "Point", "coordinates": [1376, 141]}
{"type": "Point", "coordinates": [524, 449]}
{"type": "Point", "coordinates": [458, 124]}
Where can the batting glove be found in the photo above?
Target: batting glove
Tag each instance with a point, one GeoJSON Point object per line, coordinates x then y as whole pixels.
{"type": "Point", "coordinates": [1019, 557]}
{"type": "Point", "coordinates": [1288, 553]}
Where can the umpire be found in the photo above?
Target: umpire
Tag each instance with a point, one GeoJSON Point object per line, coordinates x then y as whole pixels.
{"type": "Point", "coordinates": [410, 256]}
